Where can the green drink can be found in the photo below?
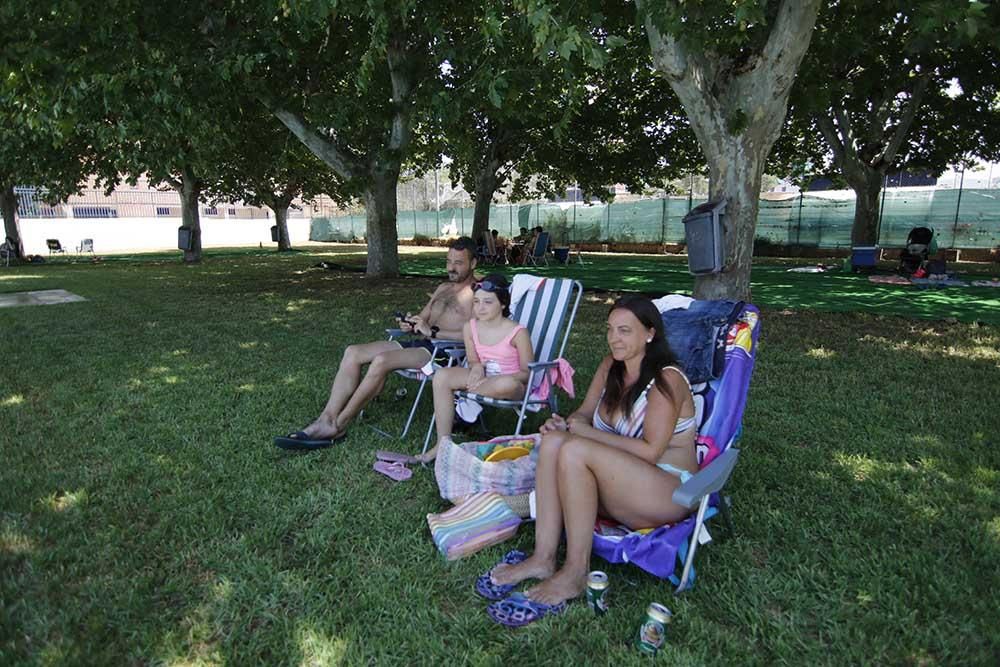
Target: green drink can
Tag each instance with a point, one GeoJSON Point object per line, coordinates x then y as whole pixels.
{"type": "Point", "coordinates": [597, 592]}
{"type": "Point", "coordinates": [653, 631]}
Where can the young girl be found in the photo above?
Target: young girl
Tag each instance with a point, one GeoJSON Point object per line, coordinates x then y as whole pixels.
{"type": "Point", "coordinates": [498, 351]}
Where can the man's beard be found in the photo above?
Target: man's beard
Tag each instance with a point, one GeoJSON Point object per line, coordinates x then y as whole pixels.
{"type": "Point", "coordinates": [454, 276]}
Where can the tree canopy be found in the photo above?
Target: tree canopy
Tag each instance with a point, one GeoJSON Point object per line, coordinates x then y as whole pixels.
{"type": "Point", "coordinates": [890, 86]}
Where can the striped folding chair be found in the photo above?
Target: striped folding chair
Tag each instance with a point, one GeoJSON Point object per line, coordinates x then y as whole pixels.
{"type": "Point", "coordinates": [547, 312]}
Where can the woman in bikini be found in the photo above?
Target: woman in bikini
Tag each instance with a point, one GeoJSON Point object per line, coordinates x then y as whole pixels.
{"type": "Point", "coordinates": [620, 455]}
{"type": "Point", "coordinates": [498, 351]}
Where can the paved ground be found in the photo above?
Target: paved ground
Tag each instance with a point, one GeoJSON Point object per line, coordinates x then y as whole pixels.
{"type": "Point", "coordinates": [40, 298]}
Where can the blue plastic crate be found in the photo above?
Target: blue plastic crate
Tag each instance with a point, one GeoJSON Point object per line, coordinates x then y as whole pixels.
{"type": "Point", "coordinates": [864, 256]}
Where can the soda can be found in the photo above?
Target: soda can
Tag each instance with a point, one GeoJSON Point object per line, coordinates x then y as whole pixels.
{"type": "Point", "coordinates": [401, 392]}
{"type": "Point", "coordinates": [653, 631]}
{"type": "Point", "coordinates": [597, 592]}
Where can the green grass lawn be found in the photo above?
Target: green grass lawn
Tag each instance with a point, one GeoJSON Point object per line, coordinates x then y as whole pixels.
{"type": "Point", "coordinates": [773, 285]}
{"type": "Point", "coordinates": [145, 516]}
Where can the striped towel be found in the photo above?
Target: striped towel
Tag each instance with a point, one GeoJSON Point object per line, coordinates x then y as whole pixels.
{"type": "Point", "coordinates": [484, 519]}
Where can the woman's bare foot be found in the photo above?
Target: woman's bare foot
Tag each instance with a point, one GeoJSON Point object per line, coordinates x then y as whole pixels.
{"type": "Point", "coordinates": [428, 456]}
{"type": "Point", "coordinates": [324, 428]}
{"type": "Point", "coordinates": [562, 586]}
{"type": "Point", "coordinates": [534, 567]}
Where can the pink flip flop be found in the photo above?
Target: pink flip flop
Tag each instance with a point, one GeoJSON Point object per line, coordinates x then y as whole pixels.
{"type": "Point", "coordinates": [396, 457]}
{"type": "Point", "coordinates": [395, 471]}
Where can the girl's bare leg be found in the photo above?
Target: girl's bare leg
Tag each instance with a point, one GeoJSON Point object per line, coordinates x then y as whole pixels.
{"type": "Point", "coordinates": [446, 381]}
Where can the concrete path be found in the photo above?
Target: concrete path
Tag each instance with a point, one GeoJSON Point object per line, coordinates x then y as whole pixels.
{"type": "Point", "coordinates": [44, 297]}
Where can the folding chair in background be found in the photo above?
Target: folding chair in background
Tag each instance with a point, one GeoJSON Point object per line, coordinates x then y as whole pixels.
{"type": "Point", "coordinates": [86, 245]}
{"type": "Point", "coordinates": [547, 311]}
{"type": "Point", "coordinates": [488, 254]}
{"type": "Point", "coordinates": [54, 247]}
{"type": "Point", "coordinates": [539, 253]}
{"type": "Point", "coordinates": [719, 405]}
{"type": "Point", "coordinates": [8, 251]}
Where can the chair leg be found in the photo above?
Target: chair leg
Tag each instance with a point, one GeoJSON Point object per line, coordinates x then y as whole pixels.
{"type": "Point", "coordinates": [689, 562]}
{"type": "Point", "coordinates": [727, 515]}
{"type": "Point", "coordinates": [427, 438]}
{"type": "Point", "coordinates": [413, 410]}
{"type": "Point", "coordinates": [520, 418]}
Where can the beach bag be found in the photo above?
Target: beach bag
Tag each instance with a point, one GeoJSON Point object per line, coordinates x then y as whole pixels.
{"type": "Point", "coordinates": [481, 521]}
{"type": "Point", "coordinates": [461, 469]}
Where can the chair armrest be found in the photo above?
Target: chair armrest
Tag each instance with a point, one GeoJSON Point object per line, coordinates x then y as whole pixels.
{"type": "Point", "coordinates": [456, 353]}
{"type": "Point", "coordinates": [395, 333]}
{"type": "Point", "coordinates": [536, 365]}
{"type": "Point", "coordinates": [707, 480]}
{"type": "Point", "coordinates": [446, 344]}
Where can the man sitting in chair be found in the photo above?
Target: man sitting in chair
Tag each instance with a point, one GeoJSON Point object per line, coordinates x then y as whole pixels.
{"type": "Point", "coordinates": [444, 316]}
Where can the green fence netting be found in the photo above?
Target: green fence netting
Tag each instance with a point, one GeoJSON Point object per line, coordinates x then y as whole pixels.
{"type": "Point", "coordinates": [961, 219]}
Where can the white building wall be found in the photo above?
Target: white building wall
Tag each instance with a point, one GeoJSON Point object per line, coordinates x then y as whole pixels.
{"type": "Point", "coordinates": [118, 235]}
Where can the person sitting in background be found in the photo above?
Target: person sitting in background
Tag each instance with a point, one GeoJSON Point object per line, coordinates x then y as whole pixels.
{"type": "Point", "coordinates": [518, 245]}
{"type": "Point", "coordinates": [529, 247]}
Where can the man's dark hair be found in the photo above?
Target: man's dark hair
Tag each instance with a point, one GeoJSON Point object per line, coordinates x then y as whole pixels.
{"type": "Point", "coordinates": [538, 229]}
{"type": "Point", "coordinates": [495, 233]}
{"type": "Point", "coordinates": [524, 230]}
{"type": "Point", "coordinates": [466, 244]}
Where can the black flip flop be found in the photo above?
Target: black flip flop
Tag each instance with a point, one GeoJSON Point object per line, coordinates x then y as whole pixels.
{"type": "Point", "coordinates": [299, 441]}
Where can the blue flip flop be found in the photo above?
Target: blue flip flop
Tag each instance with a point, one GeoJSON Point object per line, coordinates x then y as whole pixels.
{"type": "Point", "coordinates": [518, 611]}
{"type": "Point", "coordinates": [300, 441]}
{"type": "Point", "coordinates": [484, 584]}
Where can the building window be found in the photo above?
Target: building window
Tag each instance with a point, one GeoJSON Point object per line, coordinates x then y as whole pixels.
{"type": "Point", "coordinates": [95, 212]}
{"type": "Point", "coordinates": [211, 210]}
{"type": "Point", "coordinates": [232, 212]}
{"type": "Point", "coordinates": [162, 210]}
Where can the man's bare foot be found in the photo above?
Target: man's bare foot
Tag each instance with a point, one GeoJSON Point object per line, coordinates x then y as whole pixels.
{"type": "Point", "coordinates": [562, 586]}
{"type": "Point", "coordinates": [532, 568]}
{"type": "Point", "coordinates": [324, 428]}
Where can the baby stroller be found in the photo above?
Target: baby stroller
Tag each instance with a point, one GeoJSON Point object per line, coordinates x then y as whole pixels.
{"type": "Point", "coordinates": [918, 243]}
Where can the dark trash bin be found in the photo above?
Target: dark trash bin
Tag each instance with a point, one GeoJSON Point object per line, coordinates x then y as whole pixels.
{"type": "Point", "coordinates": [185, 238]}
{"type": "Point", "coordinates": [703, 233]}
{"type": "Point", "coordinates": [274, 233]}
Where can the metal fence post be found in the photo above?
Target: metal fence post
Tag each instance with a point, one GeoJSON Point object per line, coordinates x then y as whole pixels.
{"type": "Point", "coordinates": [958, 206]}
{"type": "Point", "coordinates": [798, 228]}
{"type": "Point", "coordinates": [663, 222]}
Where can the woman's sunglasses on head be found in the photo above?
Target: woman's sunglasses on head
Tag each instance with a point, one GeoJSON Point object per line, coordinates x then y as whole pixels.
{"type": "Point", "coordinates": [490, 286]}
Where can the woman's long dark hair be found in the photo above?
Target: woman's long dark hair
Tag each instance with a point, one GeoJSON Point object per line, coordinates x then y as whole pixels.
{"type": "Point", "coordinates": [658, 355]}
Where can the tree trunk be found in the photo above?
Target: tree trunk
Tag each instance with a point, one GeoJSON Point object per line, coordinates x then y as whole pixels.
{"type": "Point", "coordinates": [280, 208]}
{"type": "Point", "coordinates": [866, 209]}
{"type": "Point", "coordinates": [380, 217]}
{"type": "Point", "coordinates": [11, 226]}
{"type": "Point", "coordinates": [734, 176]}
{"type": "Point", "coordinates": [486, 185]}
{"type": "Point", "coordinates": [736, 110]}
{"type": "Point", "coordinates": [190, 190]}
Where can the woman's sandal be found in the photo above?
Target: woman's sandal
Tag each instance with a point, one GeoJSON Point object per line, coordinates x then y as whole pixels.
{"type": "Point", "coordinates": [484, 584]}
{"type": "Point", "coordinates": [518, 611]}
{"type": "Point", "coordinates": [396, 457]}
{"type": "Point", "coordinates": [395, 471]}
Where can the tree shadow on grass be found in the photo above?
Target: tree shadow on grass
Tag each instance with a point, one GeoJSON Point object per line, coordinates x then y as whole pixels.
{"type": "Point", "coordinates": [156, 522]}
{"type": "Point", "coordinates": [871, 442]}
